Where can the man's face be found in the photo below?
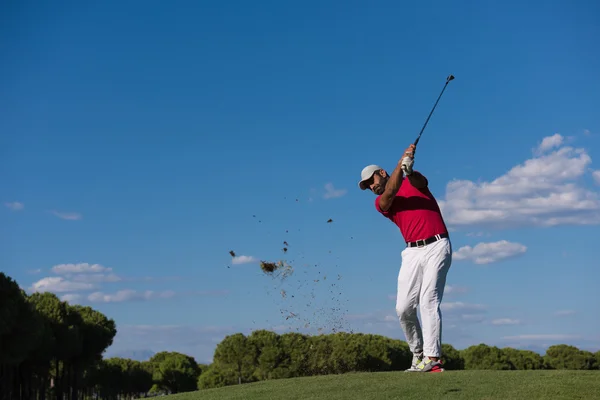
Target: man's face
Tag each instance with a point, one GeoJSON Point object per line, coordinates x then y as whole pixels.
{"type": "Point", "coordinates": [377, 182]}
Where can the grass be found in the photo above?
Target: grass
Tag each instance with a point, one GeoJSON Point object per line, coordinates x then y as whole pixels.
{"type": "Point", "coordinates": [464, 385]}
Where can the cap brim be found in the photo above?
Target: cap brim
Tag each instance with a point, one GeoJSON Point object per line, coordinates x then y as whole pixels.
{"type": "Point", "coordinates": [363, 184]}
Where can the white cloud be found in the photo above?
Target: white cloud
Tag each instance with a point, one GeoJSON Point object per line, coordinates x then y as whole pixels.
{"type": "Point", "coordinates": [564, 313]}
{"type": "Point", "coordinates": [81, 268]}
{"type": "Point", "coordinates": [221, 292]}
{"type": "Point", "coordinates": [477, 234]}
{"type": "Point", "coordinates": [243, 260]}
{"type": "Point", "coordinates": [542, 337]}
{"type": "Point", "coordinates": [95, 278]}
{"type": "Point", "coordinates": [72, 216]}
{"type": "Point", "coordinates": [505, 321]}
{"type": "Point", "coordinates": [91, 277]}
{"type": "Point", "coordinates": [549, 142]}
{"type": "Point", "coordinates": [375, 317]}
{"type": "Point", "coordinates": [59, 284]}
{"type": "Point", "coordinates": [35, 271]}
{"type": "Point", "coordinates": [472, 317]}
{"type": "Point", "coordinates": [128, 295]}
{"type": "Point", "coordinates": [596, 176]}
{"type": "Point", "coordinates": [460, 313]}
{"type": "Point", "coordinates": [74, 277]}
{"type": "Point", "coordinates": [460, 306]}
{"type": "Point", "coordinates": [15, 205]}
{"type": "Point", "coordinates": [72, 298]}
{"type": "Point", "coordinates": [453, 289]}
{"type": "Point", "coordinates": [587, 132]}
{"type": "Point", "coordinates": [332, 193]}
{"type": "Point", "coordinates": [542, 191]}
{"type": "Point", "coordinates": [134, 295]}
{"type": "Point", "coordinates": [486, 253]}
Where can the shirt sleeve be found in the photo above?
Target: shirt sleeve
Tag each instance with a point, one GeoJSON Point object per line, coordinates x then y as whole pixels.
{"type": "Point", "coordinates": [423, 175]}
{"type": "Point", "coordinates": [386, 213]}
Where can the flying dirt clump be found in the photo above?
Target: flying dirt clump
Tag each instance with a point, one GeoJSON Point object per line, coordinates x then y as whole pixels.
{"type": "Point", "coordinates": [280, 268]}
{"type": "Point", "coordinates": [268, 267]}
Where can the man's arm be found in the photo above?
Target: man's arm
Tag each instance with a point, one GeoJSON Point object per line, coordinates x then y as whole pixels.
{"type": "Point", "coordinates": [393, 184]}
{"type": "Point", "coordinates": [418, 180]}
{"type": "Point", "coordinates": [391, 188]}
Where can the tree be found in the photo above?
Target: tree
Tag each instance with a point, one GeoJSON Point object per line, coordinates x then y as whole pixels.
{"type": "Point", "coordinates": [21, 332]}
{"type": "Point", "coordinates": [348, 352]}
{"type": "Point", "coordinates": [95, 333]}
{"type": "Point", "coordinates": [398, 353]}
{"type": "Point", "coordinates": [214, 377]}
{"type": "Point", "coordinates": [47, 347]}
{"type": "Point", "coordinates": [235, 353]}
{"type": "Point", "coordinates": [452, 358]}
{"type": "Point", "coordinates": [175, 372]}
{"type": "Point", "coordinates": [55, 314]}
{"type": "Point", "coordinates": [268, 354]}
{"type": "Point", "coordinates": [319, 355]}
{"type": "Point", "coordinates": [524, 359]}
{"type": "Point", "coordinates": [483, 356]}
{"type": "Point", "coordinates": [294, 360]}
{"type": "Point", "coordinates": [564, 356]}
{"type": "Point", "coordinates": [123, 377]}
{"type": "Point", "coordinates": [140, 378]}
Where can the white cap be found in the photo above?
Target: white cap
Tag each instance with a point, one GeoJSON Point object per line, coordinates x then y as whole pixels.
{"type": "Point", "coordinates": [366, 174]}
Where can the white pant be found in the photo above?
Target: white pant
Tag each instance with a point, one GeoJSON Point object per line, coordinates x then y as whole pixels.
{"type": "Point", "coordinates": [421, 281]}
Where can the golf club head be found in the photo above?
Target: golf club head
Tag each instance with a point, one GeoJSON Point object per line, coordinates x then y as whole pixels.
{"type": "Point", "coordinates": [450, 77]}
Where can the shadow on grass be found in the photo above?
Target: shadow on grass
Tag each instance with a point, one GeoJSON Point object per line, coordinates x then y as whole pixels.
{"type": "Point", "coordinates": [452, 391]}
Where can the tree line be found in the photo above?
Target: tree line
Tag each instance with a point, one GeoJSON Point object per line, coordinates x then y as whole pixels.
{"type": "Point", "coordinates": [266, 355]}
{"type": "Point", "coordinates": [50, 349]}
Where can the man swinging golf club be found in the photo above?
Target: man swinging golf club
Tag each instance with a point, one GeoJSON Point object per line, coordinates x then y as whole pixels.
{"type": "Point", "coordinates": [405, 199]}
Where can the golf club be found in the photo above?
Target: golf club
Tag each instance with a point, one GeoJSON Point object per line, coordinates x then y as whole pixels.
{"type": "Point", "coordinates": [448, 79]}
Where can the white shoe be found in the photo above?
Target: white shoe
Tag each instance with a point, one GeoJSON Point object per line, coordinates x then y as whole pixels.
{"type": "Point", "coordinates": [428, 365]}
{"type": "Point", "coordinates": [417, 358]}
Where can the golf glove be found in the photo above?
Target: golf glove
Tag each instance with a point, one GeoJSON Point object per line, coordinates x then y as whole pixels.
{"type": "Point", "coordinates": [407, 164]}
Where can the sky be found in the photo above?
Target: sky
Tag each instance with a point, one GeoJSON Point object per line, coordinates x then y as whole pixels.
{"type": "Point", "coordinates": [141, 142]}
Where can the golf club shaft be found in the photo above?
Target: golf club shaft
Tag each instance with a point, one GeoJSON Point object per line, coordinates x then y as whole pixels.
{"type": "Point", "coordinates": [448, 79]}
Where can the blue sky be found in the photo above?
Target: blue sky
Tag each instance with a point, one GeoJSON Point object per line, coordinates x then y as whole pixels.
{"type": "Point", "coordinates": [143, 141]}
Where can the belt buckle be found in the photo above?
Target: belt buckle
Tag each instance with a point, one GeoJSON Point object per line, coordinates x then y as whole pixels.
{"type": "Point", "coordinates": [421, 241]}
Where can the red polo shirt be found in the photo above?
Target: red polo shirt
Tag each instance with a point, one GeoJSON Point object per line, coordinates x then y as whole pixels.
{"type": "Point", "coordinates": [415, 212]}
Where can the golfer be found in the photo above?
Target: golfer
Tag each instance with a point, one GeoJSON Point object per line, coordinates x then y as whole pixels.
{"type": "Point", "coordinates": [405, 199]}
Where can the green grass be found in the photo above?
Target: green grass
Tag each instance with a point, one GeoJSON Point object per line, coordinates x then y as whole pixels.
{"type": "Point", "coordinates": [504, 385]}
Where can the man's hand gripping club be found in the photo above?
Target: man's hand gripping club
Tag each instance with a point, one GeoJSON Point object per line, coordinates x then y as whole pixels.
{"type": "Point", "coordinates": [408, 160]}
